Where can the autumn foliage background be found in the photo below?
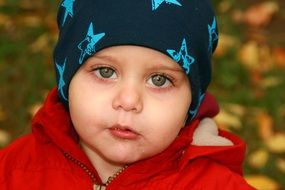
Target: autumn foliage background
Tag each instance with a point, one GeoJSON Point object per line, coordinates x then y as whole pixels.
{"type": "Point", "coordinates": [248, 76]}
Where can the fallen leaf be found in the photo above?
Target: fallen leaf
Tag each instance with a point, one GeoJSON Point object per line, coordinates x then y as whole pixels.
{"type": "Point", "coordinates": [265, 125]}
{"type": "Point", "coordinates": [258, 158]}
{"type": "Point", "coordinates": [228, 120]}
{"type": "Point", "coordinates": [262, 182]}
{"type": "Point", "coordinates": [34, 108]}
{"type": "Point", "coordinates": [279, 56]}
{"type": "Point", "coordinates": [31, 20]}
{"type": "Point", "coordinates": [280, 163]}
{"type": "Point", "coordinates": [256, 56]}
{"type": "Point", "coordinates": [225, 6]}
{"type": "Point", "coordinates": [265, 57]}
{"type": "Point", "coordinates": [270, 82]}
{"type": "Point", "coordinates": [4, 138]}
{"type": "Point", "coordinates": [276, 143]}
{"type": "Point", "coordinates": [261, 14]}
{"type": "Point", "coordinates": [248, 54]}
{"type": "Point", "coordinates": [226, 42]}
{"type": "Point", "coordinates": [41, 44]}
{"type": "Point", "coordinates": [236, 109]}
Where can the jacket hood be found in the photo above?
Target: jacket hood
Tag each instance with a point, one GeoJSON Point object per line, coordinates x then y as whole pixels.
{"type": "Point", "coordinates": [52, 124]}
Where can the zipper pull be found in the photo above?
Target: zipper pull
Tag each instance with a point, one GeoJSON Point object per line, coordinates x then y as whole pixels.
{"type": "Point", "coordinates": [99, 187]}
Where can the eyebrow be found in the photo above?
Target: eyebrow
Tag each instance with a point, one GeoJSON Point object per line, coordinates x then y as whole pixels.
{"type": "Point", "coordinates": [104, 57]}
{"type": "Point", "coordinates": [160, 66]}
{"type": "Point", "coordinates": [157, 66]}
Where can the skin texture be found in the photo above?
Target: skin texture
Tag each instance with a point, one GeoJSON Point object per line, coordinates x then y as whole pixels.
{"type": "Point", "coordinates": [127, 103]}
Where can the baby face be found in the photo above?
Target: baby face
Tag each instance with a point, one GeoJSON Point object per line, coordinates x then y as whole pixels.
{"type": "Point", "coordinates": [128, 103]}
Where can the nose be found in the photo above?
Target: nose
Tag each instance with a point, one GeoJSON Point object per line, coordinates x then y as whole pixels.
{"type": "Point", "coordinates": [129, 99]}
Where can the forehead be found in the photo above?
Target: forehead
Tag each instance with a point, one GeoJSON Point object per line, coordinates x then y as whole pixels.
{"type": "Point", "coordinates": [126, 53]}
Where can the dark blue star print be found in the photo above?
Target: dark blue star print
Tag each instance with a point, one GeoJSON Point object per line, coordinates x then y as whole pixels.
{"type": "Point", "coordinates": [68, 5]}
{"type": "Point", "coordinates": [194, 112]}
{"type": "Point", "coordinates": [87, 46]}
{"type": "Point", "coordinates": [61, 82]}
{"type": "Point", "coordinates": [213, 36]}
{"type": "Point", "coordinates": [182, 54]}
{"type": "Point", "coordinates": [157, 3]}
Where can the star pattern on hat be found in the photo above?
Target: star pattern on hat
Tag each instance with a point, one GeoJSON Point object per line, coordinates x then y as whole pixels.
{"type": "Point", "coordinates": [201, 98]}
{"type": "Point", "coordinates": [68, 5]}
{"type": "Point", "coordinates": [157, 3]}
{"type": "Point", "coordinates": [61, 82]}
{"type": "Point", "coordinates": [182, 55]}
{"type": "Point", "coordinates": [213, 36]}
{"type": "Point", "coordinates": [87, 46]}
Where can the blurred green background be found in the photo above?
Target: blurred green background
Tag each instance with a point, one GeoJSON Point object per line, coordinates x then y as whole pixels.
{"type": "Point", "coordinates": [248, 76]}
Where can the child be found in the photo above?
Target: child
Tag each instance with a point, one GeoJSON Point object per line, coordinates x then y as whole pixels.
{"type": "Point", "coordinates": [131, 109]}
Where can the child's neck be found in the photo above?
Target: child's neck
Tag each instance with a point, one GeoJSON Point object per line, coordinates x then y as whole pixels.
{"type": "Point", "coordinates": [104, 168]}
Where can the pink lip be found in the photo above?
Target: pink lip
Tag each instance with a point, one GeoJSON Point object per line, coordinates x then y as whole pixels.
{"type": "Point", "coordinates": [123, 132]}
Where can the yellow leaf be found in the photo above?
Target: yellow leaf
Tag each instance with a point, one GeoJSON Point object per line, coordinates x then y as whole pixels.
{"type": "Point", "coordinates": [225, 6]}
{"type": "Point", "coordinates": [236, 109]}
{"type": "Point", "coordinates": [41, 44]}
{"type": "Point", "coordinates": [265, 125]}
{"type": "Point", "coordinates": [34, 108]}
{"type": "Point", "coordinates": [4, 138]}
{"type": "Point", "coordinates": [256, 56]}
{"type": "Point", "coordinates": [276, 143]}
{"type": "Point", "coordinates": [270, 82]}
{"type": "Point", "coordinates": [228, 119]}
{"type": "Point", "coordinates": [226, 42]}
{"type": "Point", "coordinates": [258, 158]}
{"type": "Point", "coordinates": [248, 55]}
{"type": "Point", "coordinates": [31, 20]}
{"type": "Point", "coordinates": [262, 182]}
{"type": "Point", "coordinates": [265, 57]}
{"type": "Point", "coordinates": [280, 163]}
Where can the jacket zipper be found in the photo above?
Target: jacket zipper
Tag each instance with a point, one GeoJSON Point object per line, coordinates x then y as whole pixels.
{"type": "Point", "coordinates": [111, 178]}
{"type": "Point", "coordinates": [82, 166]}
{"type": "Point", "coordinates": [91, 175]}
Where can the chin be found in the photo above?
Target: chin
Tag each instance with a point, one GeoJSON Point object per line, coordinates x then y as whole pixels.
{"type": "Point", "coordinates": [123, 159]}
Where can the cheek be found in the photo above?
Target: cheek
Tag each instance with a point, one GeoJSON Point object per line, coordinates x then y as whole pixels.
{"type": "Point", "coordinates": [86, 111]}
{"type": "Point", "coordinates": [162, 134]}
{"type": "Point", "coordinates": [165, 121]}
{"type": "Point", "coordinates": [79, 112]}
{"type": "Point", "coordinates": [171, 110]}
{"type": "Point", "coordinates": [81, 106]}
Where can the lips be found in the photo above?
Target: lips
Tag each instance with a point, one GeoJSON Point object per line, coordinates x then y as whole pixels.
{"type": "Point", "coordinates": [123, 132]}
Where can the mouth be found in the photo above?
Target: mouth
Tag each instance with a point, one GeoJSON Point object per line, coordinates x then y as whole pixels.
{"type": "Point", "coordinates": [123, 132]}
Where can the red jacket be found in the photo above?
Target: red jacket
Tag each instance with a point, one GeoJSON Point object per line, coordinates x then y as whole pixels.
{"type": "Point", "coordinates": [50, 158]}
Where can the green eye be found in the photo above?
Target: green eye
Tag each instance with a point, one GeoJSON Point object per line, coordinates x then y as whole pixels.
{"type": "Point", "coordinates": [105, 72]}
{"type": "Point", "coordinates": [159, 80]}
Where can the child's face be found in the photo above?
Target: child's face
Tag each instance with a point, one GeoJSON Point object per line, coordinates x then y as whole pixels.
{"type": "Point", "coordinates": [128, 103]}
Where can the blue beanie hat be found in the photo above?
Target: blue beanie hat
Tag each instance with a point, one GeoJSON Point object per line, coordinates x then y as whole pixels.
{"type": "Point", "coordinates": [185, 30]}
